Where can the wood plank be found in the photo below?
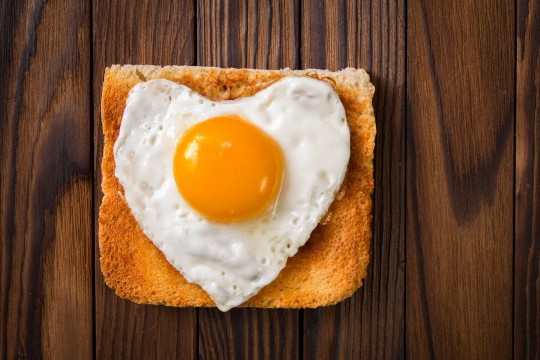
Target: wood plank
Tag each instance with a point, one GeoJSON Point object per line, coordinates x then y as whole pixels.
{"type": "Point", "coordinates": [261, 34]}
{"type": "Point", "coordinates": [46, 180]}
{"type": "Point", "coordinates": [144, 32]}
{"type": "Point", "coordinates": [241, 33]}
{"type": "Point", "coordinates": [248, 334]}
{"type": "Point", "coordinates": [369, 35]}
{"type": "Point", "coordinates": [527, 196]}
{"type": "Point", "coordinates": [460, 174]}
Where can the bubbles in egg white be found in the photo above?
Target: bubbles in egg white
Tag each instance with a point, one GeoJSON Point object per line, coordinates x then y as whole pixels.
{"type": "Point", "coordinates": [232, 262]}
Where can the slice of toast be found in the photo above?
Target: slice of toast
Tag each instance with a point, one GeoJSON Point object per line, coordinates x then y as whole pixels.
{"type": "Point", "coordinates": [326, 270]}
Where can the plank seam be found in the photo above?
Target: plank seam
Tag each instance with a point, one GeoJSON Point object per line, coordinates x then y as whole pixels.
{"type": "Point", "coordinates": [405, 172]}
{"type": "Point", "coordinates": [299, 36]}
{"type": "Point", "coordinates": [92, 166]}
{"type": "Point", "coordinates": [514, 178]}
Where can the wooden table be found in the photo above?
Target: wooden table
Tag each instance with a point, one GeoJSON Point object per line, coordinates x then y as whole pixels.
{"type": "Point", "coordinates": [456, 232]}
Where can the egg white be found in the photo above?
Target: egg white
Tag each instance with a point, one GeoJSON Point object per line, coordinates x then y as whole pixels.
{"type": "Point", "coordinates": [232, 262]}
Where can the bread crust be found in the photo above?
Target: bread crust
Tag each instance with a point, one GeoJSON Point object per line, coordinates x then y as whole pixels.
{"type": "Point", "coordinates": [326, 270]}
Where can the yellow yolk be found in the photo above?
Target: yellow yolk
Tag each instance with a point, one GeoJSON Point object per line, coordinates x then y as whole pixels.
{"type": "Point", "coordinates": [227, 169]}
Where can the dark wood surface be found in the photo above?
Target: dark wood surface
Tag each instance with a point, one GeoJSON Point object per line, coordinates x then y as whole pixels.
{"type": "Point", "coordinates": [46, 257]}
{"type": "Point", "coordinates": [460, 179]}
{"type": "Point", "coordinates": [456, 231]}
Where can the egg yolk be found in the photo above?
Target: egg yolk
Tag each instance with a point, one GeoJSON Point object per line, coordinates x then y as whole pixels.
{"type": "Point", "coordinates": [227, 169]}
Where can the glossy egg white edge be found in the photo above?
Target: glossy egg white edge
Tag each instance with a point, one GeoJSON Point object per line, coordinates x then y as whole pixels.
{"type": "Point", "coordinates": [232, 262]}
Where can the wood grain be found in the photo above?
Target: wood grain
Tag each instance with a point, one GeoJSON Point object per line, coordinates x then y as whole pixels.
{"type": "Point", "coordinates": [460, 173]}
{"type": "Point", "coordinates": [45, 182]}
{"type": "Point", "coordinates": [264, 35]}
{"type": "Point", "coordinates": [141, 32]}
{"type": "Point", "coordinates": [527, 195]}
{"type": "Point", "coordinates": [249, 34]}
{"type": "Point", "coordinates": [248, 334]}
{"type": "Point", "coordinates": [369, 35]}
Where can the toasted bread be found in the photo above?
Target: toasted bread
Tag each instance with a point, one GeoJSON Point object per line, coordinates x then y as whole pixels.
{"type": "Point", "coordinates": [326, 270]}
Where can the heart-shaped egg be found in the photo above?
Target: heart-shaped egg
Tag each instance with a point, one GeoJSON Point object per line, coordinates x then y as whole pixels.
{"type": "Point", "coordinates": [229, 190]}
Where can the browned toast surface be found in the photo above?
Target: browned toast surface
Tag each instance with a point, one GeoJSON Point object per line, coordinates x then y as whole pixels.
{"type": "Point", "coordinates": [327, 269]}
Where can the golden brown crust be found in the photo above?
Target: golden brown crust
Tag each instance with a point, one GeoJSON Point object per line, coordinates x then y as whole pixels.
{"type": "Point", "coordinates": [326, 270]}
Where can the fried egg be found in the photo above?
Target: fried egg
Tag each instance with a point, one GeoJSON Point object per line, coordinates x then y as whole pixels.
{"type": "Point", "coordinates": [228, 190]}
